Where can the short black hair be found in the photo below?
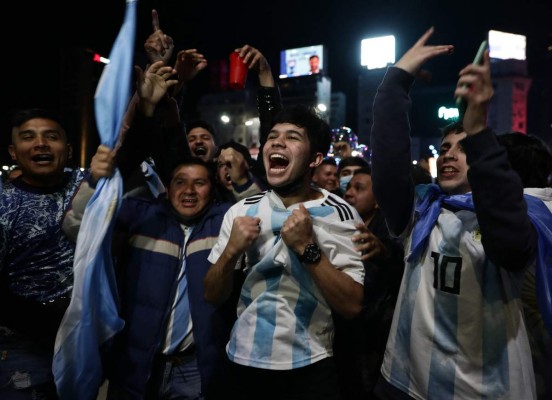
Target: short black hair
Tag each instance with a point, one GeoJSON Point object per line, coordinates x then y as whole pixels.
{"type": "Point", "coordinates": [455, 127]}
{"type": "Point", "coordinates": [24, 115]}
{"type": "Point", "coordinates": [314, 56]}
{"type": "Point", "coordinates": [328, 161]}
{"type": "Point", "coordinates": [200, 123]}
{"type": "Point", "coordinates": [530, 157]}
{"type": "Point", "coordinates": [353, 161]}
{"type": "Point", "coordinates": [363, 170]}
{"type": "Point", "coordinates": [317, 129]}
{"type": "Point", "coordinates": [192, 161]}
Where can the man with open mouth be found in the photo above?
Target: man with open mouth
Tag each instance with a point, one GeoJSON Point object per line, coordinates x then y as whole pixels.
{"type": "Point", "coordinates": [301, 267]}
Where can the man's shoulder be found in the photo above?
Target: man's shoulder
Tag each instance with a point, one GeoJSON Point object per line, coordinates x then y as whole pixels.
{"type": "Point", "coordinates": [256, 198]}
{"type": "Point", "coordinates": [342, 210]}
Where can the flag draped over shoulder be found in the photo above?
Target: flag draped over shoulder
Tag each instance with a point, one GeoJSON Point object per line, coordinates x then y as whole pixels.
{"type": "Point", "coordinates": [92, 318]}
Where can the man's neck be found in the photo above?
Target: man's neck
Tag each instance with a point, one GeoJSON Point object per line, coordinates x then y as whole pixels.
{"type": "Point", "coordinates": [302, 195]}
{"type": "Point", "coordinates": [44, 182]}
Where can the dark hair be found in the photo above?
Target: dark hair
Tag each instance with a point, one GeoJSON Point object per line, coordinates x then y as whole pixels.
{"type": "Point", "coordinates": [314, 56]}
{"type": "Point", "coordinates": [328, 161]}
{"type": "Point", "coordinates": [22, 116]}
{"type": "Point", "coordinates": [193, 161]}
{"type": "Point", "coordinates": [353, 161]}
{"type": "Point", "coordinates": [455, 127]}
{"type": "Point", "coordinates": [305, 117]}
{"type": "Point", "coordinates": [199, 123]}
{"type": "Point", "coordinates": [530, 157]}
{"type": "Point", "coordinates": [363, 170]}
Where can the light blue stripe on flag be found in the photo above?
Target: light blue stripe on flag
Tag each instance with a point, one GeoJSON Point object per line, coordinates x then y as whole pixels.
{"type": "Point", "coordinates": [92, 317]}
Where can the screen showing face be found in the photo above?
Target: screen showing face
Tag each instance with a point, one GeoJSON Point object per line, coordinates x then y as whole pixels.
{"type": "Point", "coordinates": [301, 61]}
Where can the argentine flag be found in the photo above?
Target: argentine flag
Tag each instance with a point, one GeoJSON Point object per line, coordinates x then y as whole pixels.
{"type": "Point", "coordinates": [92, 316]}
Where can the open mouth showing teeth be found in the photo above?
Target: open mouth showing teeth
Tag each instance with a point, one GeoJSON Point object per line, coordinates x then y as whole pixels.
{"type": "Point", "coordinates": [200, 151]}
{"type": "Point", "coordinates": [227, 177]}
{"type": "Point", "coordinates": [448, 170]}
{"type": "Point", "coordinates": [43, 157]}
{"type": "Point", "coordinates": [278, 161]}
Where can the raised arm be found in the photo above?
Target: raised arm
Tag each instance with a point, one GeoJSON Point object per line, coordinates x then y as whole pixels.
{"type": "Point", "coordinates": [390, 136]}
{"type": "Point", "coordinates": [507, 233]}
{"type": "Point", "coordinates": [101, 166]}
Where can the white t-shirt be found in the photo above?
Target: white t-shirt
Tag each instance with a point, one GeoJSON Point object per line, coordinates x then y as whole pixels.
{"type": "Point", "coordinates": [284, 322]}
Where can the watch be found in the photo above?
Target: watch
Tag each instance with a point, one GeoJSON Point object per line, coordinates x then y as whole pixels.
{"type": "Point", "coordinates": [311, 255]}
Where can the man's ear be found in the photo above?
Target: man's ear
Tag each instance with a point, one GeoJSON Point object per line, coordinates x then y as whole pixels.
{"type": "Point", "coordinates": [11, 150]}
{"type": "Point", "coordinates": [318, 158]}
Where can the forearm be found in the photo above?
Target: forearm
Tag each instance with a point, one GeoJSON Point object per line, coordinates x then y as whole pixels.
{"type": "Point", "coordinates": [342, 293]}
{"type": "Point", "coordinates": [135, 149]}
{"type": "Point", "coordinates": [251, 187]}
{"type": "Point", "coordinates": [269, 103]}
{"type": "Point", "coordinates": [507, 233]}
{"type": "Point", "coordinates": [391, 155]}
{"type": "Point", "coordinates": [219, 280]}
{"type": "Point", "coordinates": [73, 216]}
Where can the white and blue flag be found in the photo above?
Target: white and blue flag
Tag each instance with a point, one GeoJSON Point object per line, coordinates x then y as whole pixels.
{"type": "Point", "coordinates": [92, 317]}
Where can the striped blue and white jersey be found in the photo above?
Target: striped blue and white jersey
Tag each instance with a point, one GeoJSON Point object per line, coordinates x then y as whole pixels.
{"type": "Point", "coordinates": [458, 330]}
{"type": "Point", "coordinates": [284, 322]}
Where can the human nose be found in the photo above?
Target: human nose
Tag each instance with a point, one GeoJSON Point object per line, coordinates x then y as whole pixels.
{"type": "Point", "coordinates": [278, 141]}
{"type": "Point", "coordinates": [450, 154]}
{"type": "Point", "coordinates": [40, 141]}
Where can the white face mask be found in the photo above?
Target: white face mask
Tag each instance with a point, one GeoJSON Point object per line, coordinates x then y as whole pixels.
{"type": "Point", "coordinates": [344, 181]}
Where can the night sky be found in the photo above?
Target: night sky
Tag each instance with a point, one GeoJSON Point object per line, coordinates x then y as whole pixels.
{"type": "Point", "coordinates": [39, 32]}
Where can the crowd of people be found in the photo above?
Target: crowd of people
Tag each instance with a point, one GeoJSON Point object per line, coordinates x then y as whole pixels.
{"type": "Point", "coordinates": [293, 275]}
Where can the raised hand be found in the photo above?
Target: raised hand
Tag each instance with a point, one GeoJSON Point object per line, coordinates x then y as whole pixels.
{"type": "Point", "coordinates": [188, 64]}
{"type": "Point", "coordinates": [418, 54]}
{"type": "Point", "coordinates": [158, 46]}
{"type": "Point", "coordinates": [152, 85]}
{"type": "Point", "coordinates": [256, 61]}
{"type": "Point", "coordinates": [367, 243]}
{"type": "Point", "coordinates": [102, 163]}
{"type": "Point", "coordinates": [476, 87]}
{"type": "Point", "coordinates": [237, 165]}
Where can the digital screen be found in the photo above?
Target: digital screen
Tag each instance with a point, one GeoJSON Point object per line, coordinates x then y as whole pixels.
{"type": "Point", "coordinates": [302, 61]}
{"type": "Point", "coordinates": [377, 52]}
{"type": "Point", "coordinates": [506, 46]}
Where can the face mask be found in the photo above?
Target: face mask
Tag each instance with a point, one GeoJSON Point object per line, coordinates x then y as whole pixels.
{"type": "Point", "coordinates": [343, 182]}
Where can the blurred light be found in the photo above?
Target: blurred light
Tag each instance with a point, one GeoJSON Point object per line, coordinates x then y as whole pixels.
{"type": "Point", "coordinates": [433, 166]}
{"type": "Point", "coordinates": [431, 147]}
{"type": "Point", "coordinates": [377, 52]}
{"type": "Point", "coordinates": [448, 113]}
{"type": "Point", "coordinates": [225, 118]}
{"type": "Point", "coordinates": [82, 169]}
{"type": "Point", "coordinates": [100, 59]}
{"type": "Point", "coordinates": [5, 167]}
{"type": "Point", "coordinates": [322, 107]}
{"type": "Point", "coordinates": [434, 152]}
{"type": "Point", "coordinates": [507, 46]}
{"type": "Point", "coordinates": [249, 122]}
{"type": "Point", "coordinates": [414, 162]}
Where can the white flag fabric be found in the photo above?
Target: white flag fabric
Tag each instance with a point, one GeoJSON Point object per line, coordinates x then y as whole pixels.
{"type": "Point", "coordinates": [92, 316]}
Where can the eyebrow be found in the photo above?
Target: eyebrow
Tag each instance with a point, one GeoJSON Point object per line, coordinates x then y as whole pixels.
{"type": "Point", "coordinates": [286, 131]}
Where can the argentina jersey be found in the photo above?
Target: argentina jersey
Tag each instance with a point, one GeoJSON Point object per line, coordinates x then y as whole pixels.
{"type": "Point", "coordinates": [449, 296]}
{"type": "Point", "coordinates": [284, 322]}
